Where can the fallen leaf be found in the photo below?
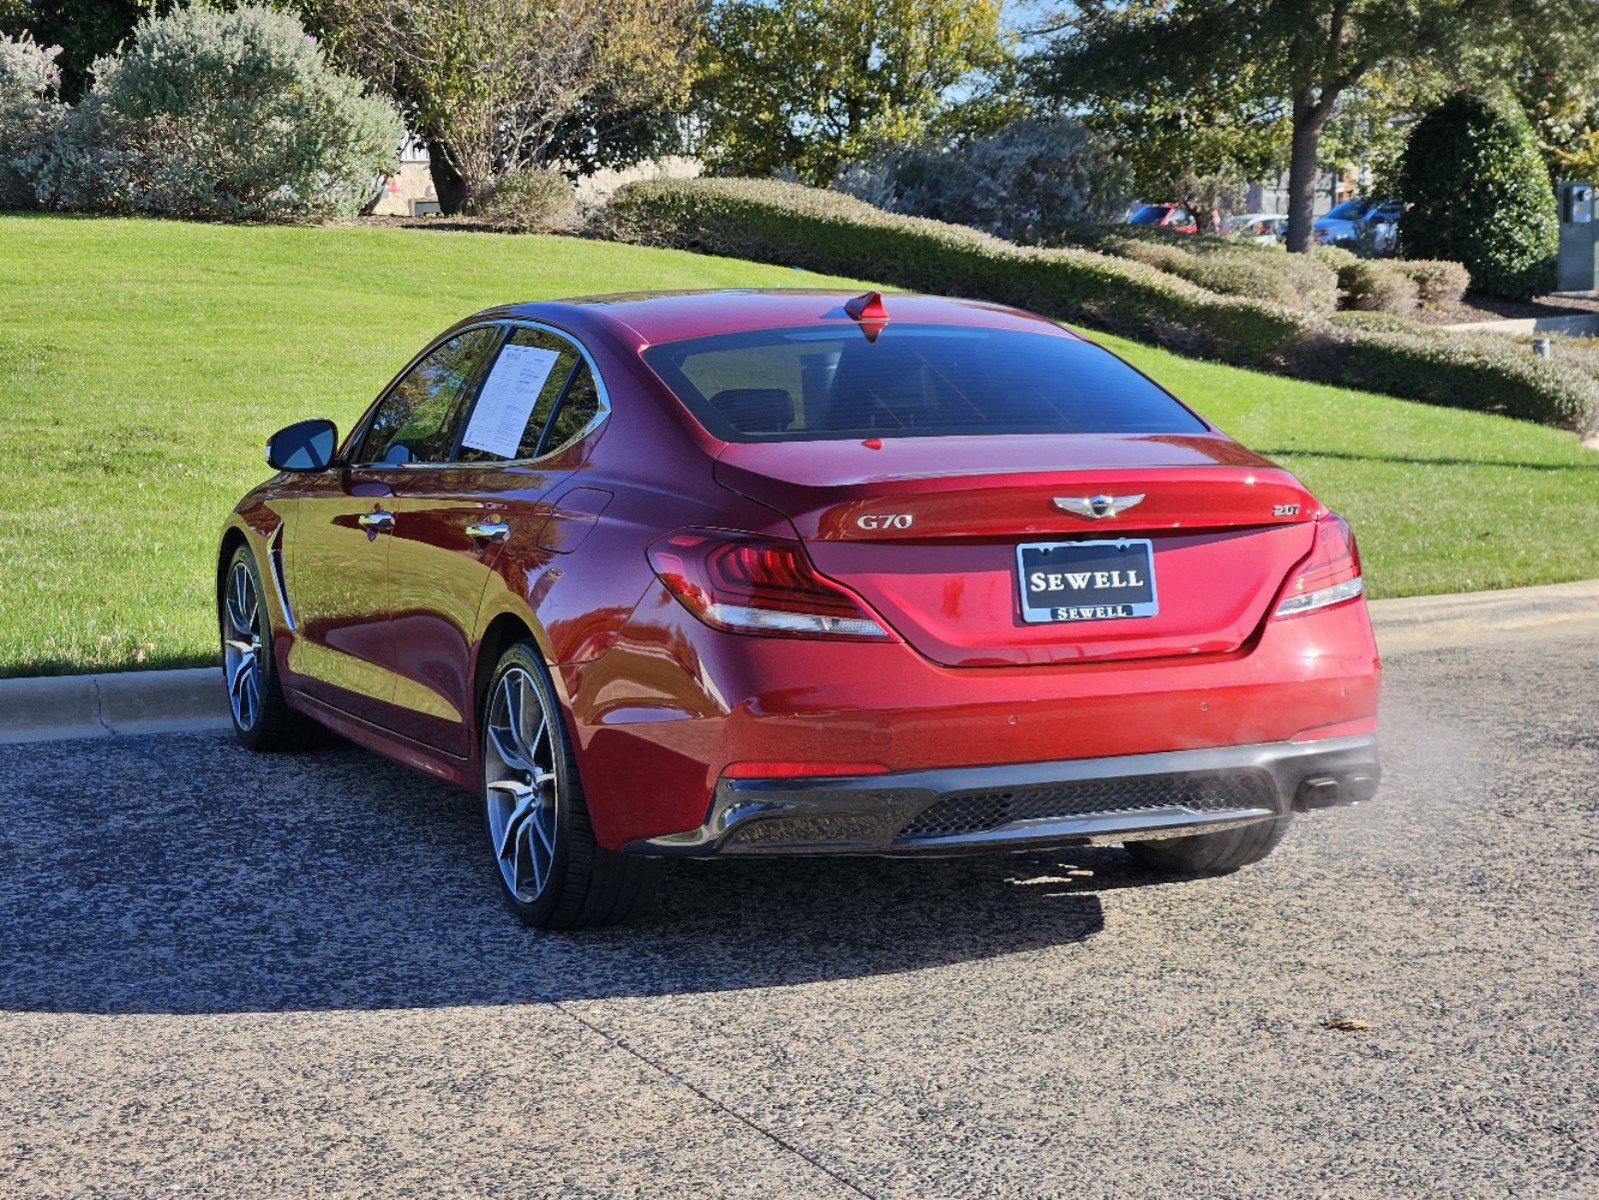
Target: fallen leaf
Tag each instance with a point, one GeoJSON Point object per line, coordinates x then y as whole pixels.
{"type": "Point", "coordinates": [1346, 1024]}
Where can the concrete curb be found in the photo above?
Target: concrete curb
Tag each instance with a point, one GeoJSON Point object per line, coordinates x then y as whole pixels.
{"type": "Point", "coordinates": [52, 708]}
{"type": "Point", "coordinates": [1420, 622]}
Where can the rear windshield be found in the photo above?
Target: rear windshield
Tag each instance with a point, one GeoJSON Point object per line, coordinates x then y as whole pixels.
{"type": "Point", "coordinates": [815, 384]}
{"type": "Point", "coordinates": [1150, 214]}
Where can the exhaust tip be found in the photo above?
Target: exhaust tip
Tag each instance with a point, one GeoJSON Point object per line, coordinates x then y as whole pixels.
{"type": "Point", "coordinates": [1325, 791]}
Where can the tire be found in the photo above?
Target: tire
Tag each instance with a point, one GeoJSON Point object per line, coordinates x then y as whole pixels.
{"type": "Point", "coordinates": [1218, 853]}
{"type": "Point", "coordinates": [264, 723]}
{"type": "Point", "coordinates": [550, 870]}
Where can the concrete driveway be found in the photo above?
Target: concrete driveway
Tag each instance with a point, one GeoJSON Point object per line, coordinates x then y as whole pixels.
{"type": "Point", "coordinates": [231, 976]}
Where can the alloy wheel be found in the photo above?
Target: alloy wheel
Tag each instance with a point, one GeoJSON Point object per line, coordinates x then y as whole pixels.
{"type": "Point", "coordinates": [519, 785]}
{"type": "Point", "coordinates": [241, 646]}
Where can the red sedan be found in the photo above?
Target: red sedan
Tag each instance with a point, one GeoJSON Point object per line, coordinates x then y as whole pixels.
{"type": "Point", "coordinates": [742, 573]}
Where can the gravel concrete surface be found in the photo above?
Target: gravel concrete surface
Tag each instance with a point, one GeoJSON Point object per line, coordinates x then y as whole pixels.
{"type": "Point", "coordinates": [234, 976]}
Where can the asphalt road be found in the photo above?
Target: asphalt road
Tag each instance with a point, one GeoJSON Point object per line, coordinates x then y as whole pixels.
{"type": "Point", "coordinates": [231, 976]}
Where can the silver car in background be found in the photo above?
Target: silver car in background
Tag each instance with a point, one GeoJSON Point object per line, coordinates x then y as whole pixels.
{"type": "Point", "coordinates": [1265, 229]}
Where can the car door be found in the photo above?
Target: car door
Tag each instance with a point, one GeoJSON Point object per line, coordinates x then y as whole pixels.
{"type": "Point", "coordinates": [452, 521]}
{"type": "Point", "coordinates": [341, 536]}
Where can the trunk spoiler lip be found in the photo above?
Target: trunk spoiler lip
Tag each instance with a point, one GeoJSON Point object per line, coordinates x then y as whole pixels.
{"type": "Point", "coordinates": [1200, 451]}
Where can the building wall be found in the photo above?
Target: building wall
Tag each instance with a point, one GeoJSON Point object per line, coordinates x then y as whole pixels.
{"type": "Point", "coordinates": [1271, 196]}
{"type": "Point", "coordinates": [411, 185]}
{"type": "Point", "coordinates": [595, 188]}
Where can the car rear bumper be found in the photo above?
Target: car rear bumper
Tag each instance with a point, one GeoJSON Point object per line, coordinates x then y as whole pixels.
{"type": "Point", "coordinates": [674, 707]}
{"type": "Point", "coordinates": [1025, 806]}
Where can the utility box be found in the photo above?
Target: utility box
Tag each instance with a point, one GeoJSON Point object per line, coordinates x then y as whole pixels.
{"type": "Point", "coordinates": [1579, 245]}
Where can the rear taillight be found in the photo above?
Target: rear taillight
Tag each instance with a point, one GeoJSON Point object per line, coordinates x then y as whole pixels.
{"type": "Point", "coordinates": [1331, 575]}
{"type": "Point", "coordinates": [747, 584]}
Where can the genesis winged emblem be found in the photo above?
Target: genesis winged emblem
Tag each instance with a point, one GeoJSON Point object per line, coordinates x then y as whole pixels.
{"type": "Point", "coordinates": [1097, 507]}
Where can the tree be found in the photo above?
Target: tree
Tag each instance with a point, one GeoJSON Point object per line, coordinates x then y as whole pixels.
{"type": "Point", "coordinates": [492, 85]}
{"type": "Point", "coordinates": [1026, 182]}
{"type": "Point", "coordinates": [804, 85]}
{"type": "Point", "coordinates": [607, 133]}
{"type": "Point", "coordinates": [1263, 61]}
{"type": "Point", "coordinates": [1201, 151]}
{"type": "Point", "coordinates": [1555, 78]}
{"type": "Point", "coordinates": [1477, 192]}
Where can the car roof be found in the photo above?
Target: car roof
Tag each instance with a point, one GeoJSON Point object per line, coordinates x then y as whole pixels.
{"type": "Point", "coordinates": [646, 318]}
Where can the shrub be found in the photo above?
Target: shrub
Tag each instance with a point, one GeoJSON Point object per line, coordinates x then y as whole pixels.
{"type": "Point", "coordinates": [530, 200]}
{"type": "Point", "coordinates": [1336, 257]}
{"type": "Point", "coordinates": [1370, 284]}
{"type": "Point", "coordinates": [1478, 193]}
{"type": "Point", "coordinates": [1025, 181]}
{"type": "Point", "coordinates": [1380, 321]}
{"type": "Point", "coordinates": [1375, 285]}
{"type": "Point", "coordinates": [824, 231]}
{"type": "Point", "coordinates": [1440, 284]}
{"type": "Point", "coordinates": [207, 113]}
{"type": "Point", "coordinates": [1313, 282]}
{"type": "Point", "coordinates": [1249, 275]}
{"type": "Point", "coordinates": [29, 79]}
{"type": "Point", "coordinates": [1220, 264]}
{"type": "Point", "coordinates": [1163, 256]}
{"type": "Point", "coordinates": [1484, 372]}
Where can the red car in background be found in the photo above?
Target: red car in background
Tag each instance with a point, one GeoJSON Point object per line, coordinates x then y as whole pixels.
{"type": "Point", "coordinates": [744, 573]}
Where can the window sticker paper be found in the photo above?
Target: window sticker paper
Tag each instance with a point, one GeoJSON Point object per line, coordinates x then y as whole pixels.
{"type": "Point", "coordinates": [507, 399]}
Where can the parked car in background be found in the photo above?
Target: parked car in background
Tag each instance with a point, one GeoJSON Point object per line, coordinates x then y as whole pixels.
{"type": "Point", "coordinates": [1178, 218]}
{"type": "Point", "coordinates": [1362, 221]}
{"type": "Point", "coordinates": [1265, 228]}
{"type": "Point", "coordinates": [754, 573]}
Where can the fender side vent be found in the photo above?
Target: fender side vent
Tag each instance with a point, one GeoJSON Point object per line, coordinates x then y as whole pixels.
{"type": "Point", "coordinates": [275, 560]}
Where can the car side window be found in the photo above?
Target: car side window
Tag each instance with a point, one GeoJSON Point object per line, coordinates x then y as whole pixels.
{"type": "Point", "coordinates": [520, 392]}
{"type": "Point", "coordinates": [417, 420]}
{"type": "Point", "coordinates": [577, 409]}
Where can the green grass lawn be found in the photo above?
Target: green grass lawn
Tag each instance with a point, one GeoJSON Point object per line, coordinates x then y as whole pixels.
{"type": "Point", "coordinates": [143, 364]}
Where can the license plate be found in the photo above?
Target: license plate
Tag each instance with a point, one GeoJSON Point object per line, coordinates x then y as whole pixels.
{"type": "Point", "coordinates": [1087, 581]}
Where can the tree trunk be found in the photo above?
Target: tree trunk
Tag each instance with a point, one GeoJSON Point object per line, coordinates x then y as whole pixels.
{"type": "Point", "coordinates": [1309, 117]}
{"type": "Point", "coordinates": [447, 181]}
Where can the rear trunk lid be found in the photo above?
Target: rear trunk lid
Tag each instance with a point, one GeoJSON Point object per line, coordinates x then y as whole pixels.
{"type": "Point", "coordinates": [926, 530]}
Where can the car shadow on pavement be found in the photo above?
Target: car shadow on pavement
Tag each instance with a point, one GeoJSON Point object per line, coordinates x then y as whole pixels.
{"type": "Point", "coordinates": [180, 874]}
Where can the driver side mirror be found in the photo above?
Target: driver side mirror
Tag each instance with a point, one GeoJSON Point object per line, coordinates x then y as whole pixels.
{"type": "Point", "coordinates": [303, 446]}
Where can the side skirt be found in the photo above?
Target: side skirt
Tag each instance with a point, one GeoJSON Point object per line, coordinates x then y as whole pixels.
{"type": "Point", "coordinates": [402, 750]}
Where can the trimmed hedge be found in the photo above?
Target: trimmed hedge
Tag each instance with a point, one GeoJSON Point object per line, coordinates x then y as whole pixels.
{"type": "Point", "coordinates": [1440, 283]}
{"type": "Point", "coordinates": [1354, 319]}
{"type": "Point", "coordinates": [771, 221]}
{"type": "Point", "coordinates": [1230, 266]}
{"type": "Point", "coordinates": [1484, 372]}
{"type": "Point", "coordinates": [1373, 285]}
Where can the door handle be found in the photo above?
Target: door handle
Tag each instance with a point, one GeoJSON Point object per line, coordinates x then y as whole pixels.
{"type": "Point", "coordinates": [381, 521]}
{"type": "Point", "coordinates": [488, 531]}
